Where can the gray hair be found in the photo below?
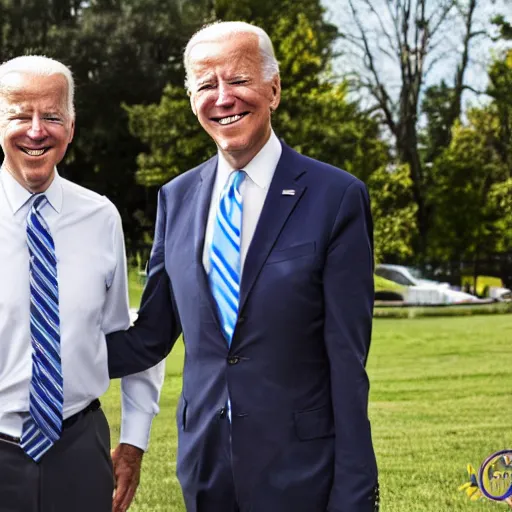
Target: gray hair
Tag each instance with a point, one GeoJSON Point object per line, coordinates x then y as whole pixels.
{"type": "Point", "coordinates": [42, 66]}
{"type": "Point", "coordinates": [221, 29]}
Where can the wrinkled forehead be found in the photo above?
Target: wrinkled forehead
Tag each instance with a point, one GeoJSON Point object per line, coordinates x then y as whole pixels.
{"type": "Point", "coordinates": [235, 53]}
{"type": "Point", "coordinates": [23, 89]}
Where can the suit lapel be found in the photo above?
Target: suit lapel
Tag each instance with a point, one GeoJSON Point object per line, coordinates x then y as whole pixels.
{"type": "Point", "coordinates": [276, 211]}
{"type": "Point", "coordinates": [200, 204]}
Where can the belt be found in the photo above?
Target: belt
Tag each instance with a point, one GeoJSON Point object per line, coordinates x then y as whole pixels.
{"type": "Point", "coordinates": [68, 422]}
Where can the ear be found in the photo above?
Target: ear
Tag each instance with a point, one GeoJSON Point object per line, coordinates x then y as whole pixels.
{"type": "Point", "coordinates": [192, 103]}
{"type": "Point", "coordinates": [276, 92]}
{"type": "Point", "coordinates": [71, 131]}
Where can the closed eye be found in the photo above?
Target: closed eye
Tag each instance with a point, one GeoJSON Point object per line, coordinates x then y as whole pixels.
{"type": "Point", "coordinates": [205, 86]}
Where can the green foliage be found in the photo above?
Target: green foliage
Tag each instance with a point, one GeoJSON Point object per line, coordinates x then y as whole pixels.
{"type": "Point", "coordinates": [496, 308]}
{"type": "Point", "coordinates": [394, 212]}
{"type": "Point", "coordinates": [119, 51]}
{"type": "Point", "coordinates": [500, 197]}
{"type": "Point", "coordinates": [298, 29]}
{"type": "Point", "coordinates": [471, 189]}
{"type": "Point", "coordinates": [176, 140]}
{"type": "Point", "coordinates": [135, 129]}
{"type": "Point", "coordinates": [437, 106]}
{"type": "Point", "coordinates": [462, 225]}
{"type": "Point", "coordinates": [315, 116]}
{"type": "Point", "coordinates": [504, 26]}
{"type": "Point", "coordinates": [500, 76]}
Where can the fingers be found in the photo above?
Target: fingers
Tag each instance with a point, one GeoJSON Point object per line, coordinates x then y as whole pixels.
{"type": "Point", "coordinates": [126, 462]}
{"type": "Point", "coordinates": [124, 494]}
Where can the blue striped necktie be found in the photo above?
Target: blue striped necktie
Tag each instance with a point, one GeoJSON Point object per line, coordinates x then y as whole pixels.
{"type": "Point", "coordinates": [44, 424]}
{"type": "Point", "coordinates": [225, 254]}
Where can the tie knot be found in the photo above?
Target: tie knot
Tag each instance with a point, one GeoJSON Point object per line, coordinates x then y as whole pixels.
{"type": "Point", "coordinates": [39, 202]}
{"type": "Point", "coordinates": [238, 177]}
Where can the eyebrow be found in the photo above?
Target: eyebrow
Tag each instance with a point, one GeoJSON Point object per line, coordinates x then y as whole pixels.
{"type": "Point", "coordinates": [16, 109]}
{"type": "Point", "coordinates": [211, 77]}
{"type": "Point", "coordinates": [205, 78]}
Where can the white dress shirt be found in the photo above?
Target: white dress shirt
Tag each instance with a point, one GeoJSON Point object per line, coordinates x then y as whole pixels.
{"type": "Point", "coordinates": [93, 301]}
{"type": "Point", "coordinates": [260, 171]}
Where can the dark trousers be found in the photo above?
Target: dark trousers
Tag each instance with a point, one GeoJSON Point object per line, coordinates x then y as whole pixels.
{"type": "Point", "coordinates": [75, 475]}
{"type": "Point", "coordinates": [215, 491]}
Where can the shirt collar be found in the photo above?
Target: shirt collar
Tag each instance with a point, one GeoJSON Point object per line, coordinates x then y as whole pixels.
{"type": "Point", "coordinates": [261, 168]}
{"type": "Point", "coordinates": [18, 196]}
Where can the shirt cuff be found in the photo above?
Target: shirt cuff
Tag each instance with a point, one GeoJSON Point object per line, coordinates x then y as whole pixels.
{"type": "Point", "coordinates": [135, 428]}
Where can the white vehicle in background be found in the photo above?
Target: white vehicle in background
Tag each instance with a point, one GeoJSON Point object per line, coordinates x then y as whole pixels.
{"type": "Point", "coordinates": [501, 294]}
{"type": "Point", "coordinates": [421, 291]}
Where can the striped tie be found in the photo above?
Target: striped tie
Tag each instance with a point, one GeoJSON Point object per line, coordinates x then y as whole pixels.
{"type": "Point", "coordinates": [225, 254]}
{"type": "Point", "coordinates": [44, 425]}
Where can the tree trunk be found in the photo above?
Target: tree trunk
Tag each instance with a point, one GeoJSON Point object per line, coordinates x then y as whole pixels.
{"type": "Point", "coordinates": [408, 153]}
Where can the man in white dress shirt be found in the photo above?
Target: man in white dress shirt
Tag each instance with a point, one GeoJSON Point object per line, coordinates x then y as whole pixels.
{"type": "Point", "coordinates": [72, 470]}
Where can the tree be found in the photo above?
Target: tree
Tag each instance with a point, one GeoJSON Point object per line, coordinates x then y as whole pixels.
{"type": "Point", "coordinates": [175, 139]}
{"type": "Point", "coordinates": [436, 136]}
{"type": "Point", "coordinates": [467, 175]}
{"type": "Point", "coordinates": [500, 76]}
{"type": "Point", "coordinates": [119, 51]}
{"type": "Point", "coordinates": [408, 37]}
{"type": "Point", "coordinates": [306, 119]}
{"type": "Point", "coordinates": [472, 177]}
{"type": "Point", "coordinates": [394, 213]}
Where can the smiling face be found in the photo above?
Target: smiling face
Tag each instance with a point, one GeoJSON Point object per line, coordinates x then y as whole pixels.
{"type": "Point", "coordinates": [230, 97]}
{"type": "Point", "coordinates": [35, 127]}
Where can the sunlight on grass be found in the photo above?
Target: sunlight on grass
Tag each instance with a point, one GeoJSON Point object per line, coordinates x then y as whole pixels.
{"type": "Point", "coordinates": [135, 287]}
{"type": "Point", "coordinates": [440, 398]}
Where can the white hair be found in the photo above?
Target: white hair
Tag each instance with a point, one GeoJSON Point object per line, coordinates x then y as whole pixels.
{"type": "Point", "coordinates": [40, 65]}
{"type": "Point", "coordinates": [222, 29]}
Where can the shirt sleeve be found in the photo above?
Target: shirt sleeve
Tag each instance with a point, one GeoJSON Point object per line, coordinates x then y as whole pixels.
{"type": "Point", "coordinates": [141, 391]}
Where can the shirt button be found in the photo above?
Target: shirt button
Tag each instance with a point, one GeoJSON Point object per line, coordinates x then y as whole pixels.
{"type": "Point", "coordinates": [222, 413]}
{"type": "Point", "coordinates": [240, 320]}
{"type": "Point", "coordinates": [233, 360]}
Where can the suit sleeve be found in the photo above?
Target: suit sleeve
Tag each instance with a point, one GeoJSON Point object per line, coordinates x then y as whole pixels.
{"type": "Point", "coordinates": [348, 295]}
{"type": "Point", "coordinates": [157, 327]}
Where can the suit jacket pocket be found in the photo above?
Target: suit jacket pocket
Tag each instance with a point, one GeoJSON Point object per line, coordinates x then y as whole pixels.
{"type": "Point", "coordinates": [290, 253]}
{"type": "Point", "coordinates": [181, 413]}
{"type": "Point", "coordinates": [314, 424]}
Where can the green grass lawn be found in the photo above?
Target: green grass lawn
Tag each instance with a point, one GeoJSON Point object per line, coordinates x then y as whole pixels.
{"type": "Point", "coordinates": [441, 397]}
{"type": "Point", "coordinates": [135, 287]}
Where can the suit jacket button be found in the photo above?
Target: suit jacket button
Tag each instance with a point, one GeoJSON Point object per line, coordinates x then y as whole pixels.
{"type": "Point", "coordinates": [233, 360]}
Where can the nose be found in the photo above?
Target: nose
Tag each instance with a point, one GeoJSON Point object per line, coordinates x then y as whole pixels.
{"type": "Point", "coordinates": [225, 96]}
{"type": "Point", "coordinates": [37, 130]}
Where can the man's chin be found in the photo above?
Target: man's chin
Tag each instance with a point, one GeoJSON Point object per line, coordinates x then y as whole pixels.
{"type": "Point", "coordinates": [38, 181]}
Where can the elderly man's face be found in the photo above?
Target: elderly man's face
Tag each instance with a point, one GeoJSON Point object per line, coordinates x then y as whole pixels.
{"type": "Point", "coordinates": [35, 127]}
{"type": "Point", "coordinates": [229, 96]}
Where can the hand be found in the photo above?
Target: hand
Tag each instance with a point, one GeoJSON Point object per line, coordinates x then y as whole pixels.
{"type": "Point", "coordinates": [127, 460]}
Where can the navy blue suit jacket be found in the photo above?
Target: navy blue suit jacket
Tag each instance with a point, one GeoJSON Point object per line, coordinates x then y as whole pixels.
{"type": "Point", "coordinates": [295, 372]}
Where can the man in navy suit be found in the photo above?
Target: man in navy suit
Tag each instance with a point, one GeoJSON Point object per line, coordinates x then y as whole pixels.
{"type": "Point", "coordinates": [262, 258]}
